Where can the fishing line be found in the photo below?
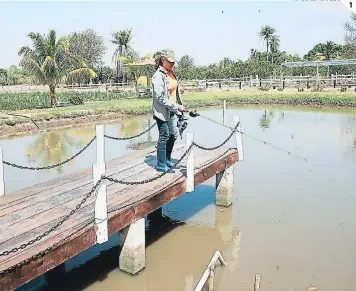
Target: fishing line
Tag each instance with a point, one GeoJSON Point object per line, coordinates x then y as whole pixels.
{"type": "Point", "coordinates": [195, 114]}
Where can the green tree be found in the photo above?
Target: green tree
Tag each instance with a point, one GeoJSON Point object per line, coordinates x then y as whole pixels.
{"type": "Point", "coordinates": [50, 60]}
{"type": "Point", "coordinates": [324, 51]}
{"type": "Point", "coordinates": [3, 77]}
{"type": "Point", "coordinates": [266, 33]}
{"type": "Point", "coordinates": [274, 45]}
{"type": "Point", "coordinates": [122, 39]}
{"type": "Point", "coordinates": [186, 62]}
{"type": "Point", "coordinates": [89, 45]}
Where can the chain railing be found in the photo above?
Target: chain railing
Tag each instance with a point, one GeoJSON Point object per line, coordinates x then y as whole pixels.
{"type": "Point", "coordinates": [131, 137]}
{"type": "Point", "coordinates": [77, 154]}
{"type": "Point", "coordinates": [96, 188]}
{"type": "Point", "coordinates": [51, 166]}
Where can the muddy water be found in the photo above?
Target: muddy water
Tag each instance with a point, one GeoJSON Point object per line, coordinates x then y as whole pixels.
{"type": "Point", "coordinates": [291, 221]}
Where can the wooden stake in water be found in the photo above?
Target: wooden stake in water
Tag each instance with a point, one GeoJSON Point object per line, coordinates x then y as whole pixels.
{"type": "Point", "coordinates": [257, 282]}
{"type": "Point", "coordinates": [217, 256]}
{"type": "Point", "coordinates": [2, 183]}
{"type": "Point", "coordinates": [190, 164]}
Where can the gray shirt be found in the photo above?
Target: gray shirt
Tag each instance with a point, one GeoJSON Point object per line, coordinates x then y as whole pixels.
{"type": "Point", "coordinates": [162, 106]}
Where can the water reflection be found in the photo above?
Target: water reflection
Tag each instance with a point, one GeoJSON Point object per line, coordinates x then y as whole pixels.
{"type": "Point", "coordinates": [129, 127]}
{"type": "Point", "coordinates": [265, 121]}
{"type": "Point", "coordinates": [139, 145]}
{"type": "Point", "coordinates": [53, 147]}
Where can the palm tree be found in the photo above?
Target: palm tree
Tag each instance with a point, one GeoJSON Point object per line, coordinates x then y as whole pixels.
{"type": "Point", "coordinates": [265, 33]}
{"type": "Point", "coordinates": [274, 45]}
{"type": "Point", "coordinates": [122, 39]}
{"type": "Point", "coordinates": [50, 62]}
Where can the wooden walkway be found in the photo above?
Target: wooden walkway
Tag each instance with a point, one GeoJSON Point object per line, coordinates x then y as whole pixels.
{"type": "Point", "coordinates": [26, 214]}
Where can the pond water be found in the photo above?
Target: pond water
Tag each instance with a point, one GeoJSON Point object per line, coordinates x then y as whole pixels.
{"type": "Point", "coordinates": [291, 221]}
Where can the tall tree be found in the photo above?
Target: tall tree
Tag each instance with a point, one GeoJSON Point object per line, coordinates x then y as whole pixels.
{"type": "Point", "coordinates": [274, 45]}
{"type": "Point", "coordinates": [186, 62]}
{"type": "Point", "coordinates": [122, 39]}
{"type": "Point", "coordinates": [89, 45]}
{"type": "Point", "coordinates": [50, 60]}
{"type": "Point", "coordinates": [349, 49]}
{"type": "Point", "coordinates": [266, 33]}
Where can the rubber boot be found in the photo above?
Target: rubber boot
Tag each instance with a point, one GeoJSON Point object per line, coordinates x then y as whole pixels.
{"type": "Point", "coordinates": [169, 150]}
{"type": "Point", "coordinates": [161, 159]}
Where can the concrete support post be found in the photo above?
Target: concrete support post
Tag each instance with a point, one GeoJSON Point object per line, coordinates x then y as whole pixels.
{"type": "Point", "coordinates": [224, 185]}
{"type": "Point", "coordinates": [133, 253]}
{"type": "Point", "coordinates": [2, 181]}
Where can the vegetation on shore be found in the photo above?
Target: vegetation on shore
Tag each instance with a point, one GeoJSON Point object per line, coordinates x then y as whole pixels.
{"type": "Point", "coordinates": [40, 100]}
{"type": "Point", "coordinates": [78, 59]}
{"type": "Point", "coordinates": [191, 100]}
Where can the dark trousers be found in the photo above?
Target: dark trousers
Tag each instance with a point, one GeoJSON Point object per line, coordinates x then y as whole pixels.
{"type": "Point", "coordinates": [167, 133]}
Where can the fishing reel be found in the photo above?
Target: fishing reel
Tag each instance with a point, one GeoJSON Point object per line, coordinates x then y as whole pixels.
{"type": "Point", "coordinates": [182, 124]}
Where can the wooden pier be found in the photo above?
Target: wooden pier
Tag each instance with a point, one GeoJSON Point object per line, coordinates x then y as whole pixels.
{"type": "Point", "coordinates": [33, 221]}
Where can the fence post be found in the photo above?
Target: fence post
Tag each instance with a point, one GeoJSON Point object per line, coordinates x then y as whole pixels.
{"type": "Point", "coordinates": [101, 214]}
{"type": "Point", "coordinates": [190, 164]}
{"type": "Point", "coordinates": [238, 136]}
{"type": "Point", "coordinates": [224, 112]}
{"type": "Point", "coordinates": [2, 183]}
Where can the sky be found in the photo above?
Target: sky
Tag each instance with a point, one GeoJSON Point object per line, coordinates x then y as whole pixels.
{"type": "Point", "coordinates": [208, 31]}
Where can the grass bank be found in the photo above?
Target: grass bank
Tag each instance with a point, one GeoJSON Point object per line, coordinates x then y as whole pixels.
{"type": "Point", "coordinates": [113, 109]}
{"type": "Point", "coordinates": [30, 100]}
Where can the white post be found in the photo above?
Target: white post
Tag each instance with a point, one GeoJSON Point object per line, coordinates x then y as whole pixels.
{"type": "Point", "coordinates": [190, 164]}
{"type": "Point", "coordinates": [2, 183]}
{"type": "Point", "coordinates": [238, 136]}
{"type": "Point", "coordinates": [224, 112]}
{"type": "Point", "coordinates": [101, 214]}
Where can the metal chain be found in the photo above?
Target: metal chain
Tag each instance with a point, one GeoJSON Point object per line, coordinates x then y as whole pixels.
{"type": "Point", "coordinates": [130, 137]}
{"type": "Point", "coordinates": [52, 166]}
{"type": "Point", "coordinates": [113, 180]}
{"type": "Point", "coordinates": [224, 142]}
{"type": "Point", "coordinates": [53, 228]}
{"type": "Point", "coordinates": [43, 253]}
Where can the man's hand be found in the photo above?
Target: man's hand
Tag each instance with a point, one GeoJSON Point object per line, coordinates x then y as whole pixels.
{"type": "Point", "coordinates": [181, 108]}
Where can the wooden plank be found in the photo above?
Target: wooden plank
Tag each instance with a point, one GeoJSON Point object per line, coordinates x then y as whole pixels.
{"type": "Point", "coordinates": [30, 191]}
{"type": "Point", "coordinates": [77, 244]}
{"type": "Point", "coordinates": [112, 168]}
{"type": "Point", "coordinates": [49, 210]}
{"type": "Point", "coordinates": [117, 221]}
{"type": "Point", "coordinates": [14, 237]}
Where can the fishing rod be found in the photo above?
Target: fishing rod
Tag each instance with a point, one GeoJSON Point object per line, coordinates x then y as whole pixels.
{"type": "Point", "coordinates": [195, 114]}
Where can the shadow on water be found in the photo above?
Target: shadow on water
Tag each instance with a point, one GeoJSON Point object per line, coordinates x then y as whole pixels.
{"type": "Point", "coordinates": [94, 264]}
